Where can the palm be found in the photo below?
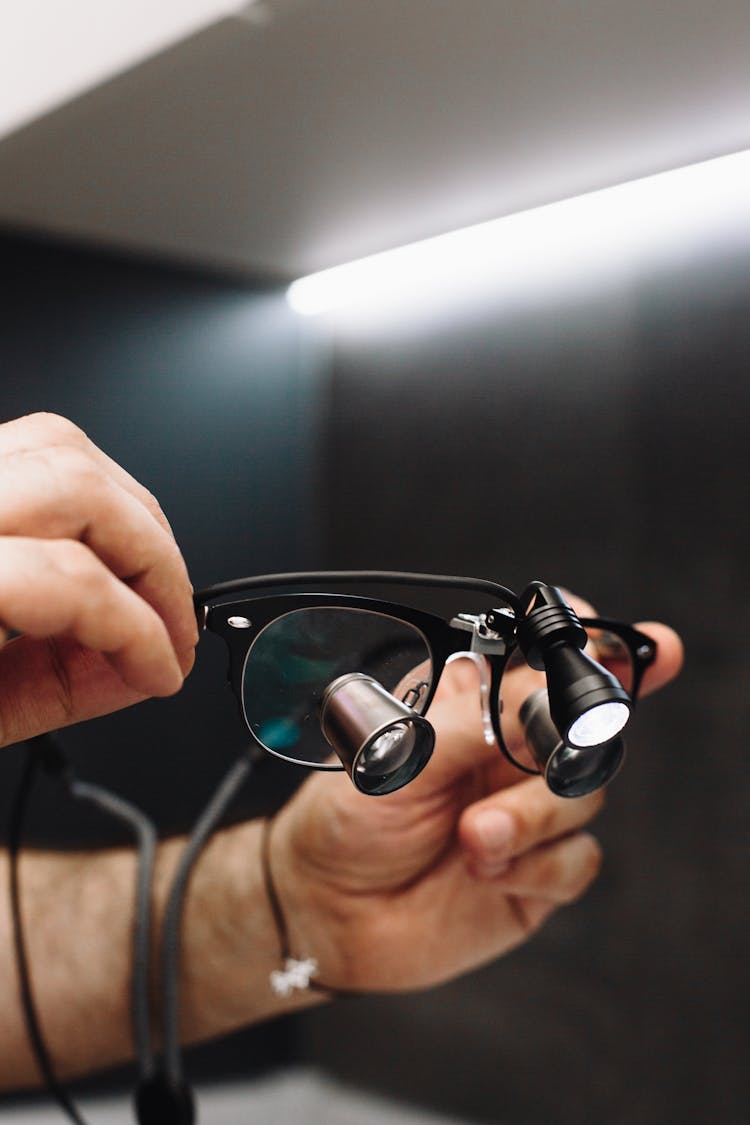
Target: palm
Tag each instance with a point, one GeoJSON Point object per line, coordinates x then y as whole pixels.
{"type": "Point", "coordinates": [398, 862]}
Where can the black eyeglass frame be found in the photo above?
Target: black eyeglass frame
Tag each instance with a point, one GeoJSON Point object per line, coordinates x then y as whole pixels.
{"type": "Point", "coordinates": [493, 634]}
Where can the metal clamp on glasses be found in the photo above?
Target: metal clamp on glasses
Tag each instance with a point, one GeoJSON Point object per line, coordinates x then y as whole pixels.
{"type": "Point", "coordinates": [344, 681]}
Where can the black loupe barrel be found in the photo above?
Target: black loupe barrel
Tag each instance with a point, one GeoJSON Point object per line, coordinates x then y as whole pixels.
{"type": "Point", "coordinates": [570, 771]}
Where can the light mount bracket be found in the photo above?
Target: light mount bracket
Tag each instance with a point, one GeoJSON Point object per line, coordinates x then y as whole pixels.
{"type": "Point", "coordinates": [491, 632]}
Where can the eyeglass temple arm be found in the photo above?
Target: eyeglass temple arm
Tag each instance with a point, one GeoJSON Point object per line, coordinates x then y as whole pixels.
{"type": "Point", "coordinates": [641, 647]}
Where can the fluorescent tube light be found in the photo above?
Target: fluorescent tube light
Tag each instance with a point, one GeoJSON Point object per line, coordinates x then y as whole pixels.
{"type": "Point", "coordinates": [576, 238]}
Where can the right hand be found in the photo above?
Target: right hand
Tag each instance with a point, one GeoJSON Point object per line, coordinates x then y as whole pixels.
{"type": "Point", "coordinates": [90, 577]}
{"type": "Point", "coordinates": [408, 890]}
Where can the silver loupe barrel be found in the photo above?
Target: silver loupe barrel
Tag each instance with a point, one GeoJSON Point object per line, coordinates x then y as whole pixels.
{"type": "Point", "coordinates": [381, 742]}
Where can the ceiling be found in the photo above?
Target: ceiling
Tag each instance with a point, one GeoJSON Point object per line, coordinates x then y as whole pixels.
{"type": "Point", "coordinates": [309, 132]}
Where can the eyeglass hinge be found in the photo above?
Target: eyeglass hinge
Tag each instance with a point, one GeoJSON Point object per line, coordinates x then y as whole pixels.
{"type": "Point", "coordinates": [490, 632]}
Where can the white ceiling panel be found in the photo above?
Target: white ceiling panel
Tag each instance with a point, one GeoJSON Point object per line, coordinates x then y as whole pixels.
{"type": "Point", "coordinates": [315, 131]}
{"type": "Point", "coordinates": [51, 52]}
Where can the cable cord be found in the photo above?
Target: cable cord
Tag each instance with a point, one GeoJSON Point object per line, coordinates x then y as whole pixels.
{"type": "Point", "coordinates": [163, 1096]}
{"type": "Point", "coordinates": [145, 834]}
{"type": "Point", "coordinates": [31, 1019]}
{"type": "Point", "coordinates": [47, 752]}
{"type": "Point", "coordinates": [227, 789]}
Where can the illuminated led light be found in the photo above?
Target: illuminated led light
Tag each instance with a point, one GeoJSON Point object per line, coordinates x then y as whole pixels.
{"type": "Point", "coordinates": [574, 238]}
{"type": "Point", "coordinates": [598, 725]}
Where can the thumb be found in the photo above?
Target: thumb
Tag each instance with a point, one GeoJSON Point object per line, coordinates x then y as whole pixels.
{"type": "Point", "coordinates": [51, 683]}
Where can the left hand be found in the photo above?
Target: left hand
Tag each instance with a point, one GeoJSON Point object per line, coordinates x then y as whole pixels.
{"type": "Point", "coordinates": [462, 865]}
{"type": "Point", "coordinates": [90, 577]}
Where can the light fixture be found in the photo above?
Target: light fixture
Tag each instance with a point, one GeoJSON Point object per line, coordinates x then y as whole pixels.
{"type": "Point", "coordinates": [588, 705]}
{"type": "Point", "coordinates": [566, 242]}
{"type": "Point", "coordinates": [381, 742]}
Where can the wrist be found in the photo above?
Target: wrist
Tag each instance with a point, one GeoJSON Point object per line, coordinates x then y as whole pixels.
{"type": "Point", "coordinates": [313, 919]}
{"type": "Point", "coordinates": [230, 943]}
{"type": "Point", "coordinates": [304, 915]}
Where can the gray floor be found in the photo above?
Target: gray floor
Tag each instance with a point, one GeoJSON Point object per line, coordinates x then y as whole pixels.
{"type": "Point", "coordinates": [299, 1097]}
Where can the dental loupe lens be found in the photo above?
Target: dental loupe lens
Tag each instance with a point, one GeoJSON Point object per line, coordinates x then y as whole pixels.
{"type": "Point", "coordinates": [389, 751]}
{"type": "Point", "coordinates": [575, 771]}
{"type": "Point", "coordinates": [598, 724]}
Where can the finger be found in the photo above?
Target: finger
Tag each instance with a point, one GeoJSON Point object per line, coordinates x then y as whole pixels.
{"type": "Point", "coordinates": [45, 430]}
{"type": "Point", "coordinates": [515, 820]}
{"type": "Point", "coordinates": [51, 683]}
{"type": "Point", "coordinates": [520, 681]}
{"type": "Point", "coordinates": [62, 493]}
{"type": "Point", "coordinates": [670, 656]}
{"type": "Point", "coordinates": [557, 873]}
{"type": "Point", "coordinates": [52, 588]}
{"type": "Point", "coordinates": [576, 602]}
{"type": "Point", "coordinates": [460, 743]}
{"type": "Point", "coordinates": [456, 713]}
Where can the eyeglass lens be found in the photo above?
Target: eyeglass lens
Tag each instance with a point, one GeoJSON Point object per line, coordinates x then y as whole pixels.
{"type": "Point", "coordinates": [293, 660]}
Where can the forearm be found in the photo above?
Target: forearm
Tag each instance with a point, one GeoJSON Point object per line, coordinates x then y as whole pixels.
{"type": "Point", "coordinates": [78, 921]}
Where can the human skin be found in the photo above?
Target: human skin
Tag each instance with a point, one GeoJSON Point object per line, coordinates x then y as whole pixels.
{"type": "Point", "coordinates": [91, 575]}
{"type": "Point", "coordinates": [387, 894]}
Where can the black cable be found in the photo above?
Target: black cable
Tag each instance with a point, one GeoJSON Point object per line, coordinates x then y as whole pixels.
{"type": "Point", "coordinates": [170, 951]}
{"type": "Point", "coordinates": [45, 750]}
{"type": "Point", "coordinates": [31, 1019]}
{"type": "Point", "coordinates": [145, 834]}
{"type": "Point", "coordinates": [163, 1097]}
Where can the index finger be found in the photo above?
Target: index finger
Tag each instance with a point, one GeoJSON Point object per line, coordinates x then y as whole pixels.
{"type": "Point", "coordinates": [55, 483]}
{"type": "Point", "coordinates": [34, 431]}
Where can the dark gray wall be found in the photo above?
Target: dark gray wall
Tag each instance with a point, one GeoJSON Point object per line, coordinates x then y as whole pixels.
{"type": "Point", "coordinates": [596, 437]}
{"type": "Point", "coordinates": [210, 392]}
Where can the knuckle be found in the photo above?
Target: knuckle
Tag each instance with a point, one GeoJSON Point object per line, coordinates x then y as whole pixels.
{"type": "Point", "coordinates": [57, 427]}
{"type": "Point", "coordinates": [75, 467]}
{"type": "Point", "coordinates": [73, 559]}
{"type": "Point", "coordinates": [79, 485]}
{"type": "Point", "coordinates": [155, 508]}
{"type": "Point", "coordinates": [152, 628]}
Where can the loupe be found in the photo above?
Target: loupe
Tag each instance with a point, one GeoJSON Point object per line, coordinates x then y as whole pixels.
{"type": "Point", "coordinates": [331, 680]}
{"type": "Point", "coordinates": [381, 742]}
{"type": "Point", "coordinates": [587, 704]}
{"type": "Point", "coordinates": [570, 771]}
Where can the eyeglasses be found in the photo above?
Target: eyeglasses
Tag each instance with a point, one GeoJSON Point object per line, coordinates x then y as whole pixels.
{"type": "Point", "coordinates": [340, 681]}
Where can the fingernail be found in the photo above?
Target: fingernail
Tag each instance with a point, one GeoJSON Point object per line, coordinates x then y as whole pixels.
{"type": "Point", "coordinates": [495, 829]}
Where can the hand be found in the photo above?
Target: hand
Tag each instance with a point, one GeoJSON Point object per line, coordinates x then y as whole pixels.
{"type": "Point", "coordinates": [92, 579]}
{"type": "Point", "coordinates": [457, 868]}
